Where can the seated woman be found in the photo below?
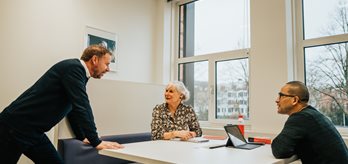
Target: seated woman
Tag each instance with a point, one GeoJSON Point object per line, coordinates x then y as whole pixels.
{"type": "Point", "coordinates": [173, 119]}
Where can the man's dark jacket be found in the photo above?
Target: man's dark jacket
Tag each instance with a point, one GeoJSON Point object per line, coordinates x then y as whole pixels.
{"type": "Point", "coordinates": [61, 91]}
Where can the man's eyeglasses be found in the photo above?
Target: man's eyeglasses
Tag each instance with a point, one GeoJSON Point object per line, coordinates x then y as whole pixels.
{"type": "Point", "coordinates": [280, 94]}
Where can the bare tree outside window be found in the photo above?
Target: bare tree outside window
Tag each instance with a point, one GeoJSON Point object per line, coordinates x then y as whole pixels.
{"type": "Point", "coordinates": [327, 70]}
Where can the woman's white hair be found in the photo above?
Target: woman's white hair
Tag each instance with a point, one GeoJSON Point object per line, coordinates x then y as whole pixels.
{"type": "Point", "coordinates": [180, 87]}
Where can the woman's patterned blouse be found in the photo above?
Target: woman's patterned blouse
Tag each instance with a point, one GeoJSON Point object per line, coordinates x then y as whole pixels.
{"type": "Point", "coordinates": [184, 118]}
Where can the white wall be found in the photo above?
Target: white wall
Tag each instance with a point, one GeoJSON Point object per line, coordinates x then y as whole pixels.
{"type": "Point", "coordinates": [268, 64]}
{"type": "Point", "coordinates": [120, 107]}
{"type": "Point", "coordinates": [35, 34]}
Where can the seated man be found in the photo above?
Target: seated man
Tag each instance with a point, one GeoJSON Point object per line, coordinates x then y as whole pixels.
{"type": "Point", "coordinates": [307, 133]}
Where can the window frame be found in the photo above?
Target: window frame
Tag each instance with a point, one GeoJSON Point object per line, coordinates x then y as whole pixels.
{"type": "Point", "coordinates": [300, 44]}
{"type": "Point", "coordinates": [212, 59]}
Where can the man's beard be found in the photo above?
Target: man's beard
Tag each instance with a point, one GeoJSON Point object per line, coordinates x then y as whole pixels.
{"type": "Point", "coordinates": [95, 73]}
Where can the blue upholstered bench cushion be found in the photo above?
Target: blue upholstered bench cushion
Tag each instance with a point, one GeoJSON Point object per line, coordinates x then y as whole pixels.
{"type": "Point", "coordinates": [74, 151]}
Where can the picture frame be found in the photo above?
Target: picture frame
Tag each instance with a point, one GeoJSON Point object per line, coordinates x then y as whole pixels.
{"type": "Point", "coordinates": [108, 39]}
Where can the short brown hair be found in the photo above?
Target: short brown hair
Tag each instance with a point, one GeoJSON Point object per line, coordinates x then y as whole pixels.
{"type": "Point", "coordinates": [97, 50]}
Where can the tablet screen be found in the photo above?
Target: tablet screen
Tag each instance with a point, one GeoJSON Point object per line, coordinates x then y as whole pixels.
{"type": "Point", "coordinates": [235, 135]}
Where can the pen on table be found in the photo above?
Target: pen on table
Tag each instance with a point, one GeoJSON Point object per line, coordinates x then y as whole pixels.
{"type": "Point", "coordinates": [213, 147]}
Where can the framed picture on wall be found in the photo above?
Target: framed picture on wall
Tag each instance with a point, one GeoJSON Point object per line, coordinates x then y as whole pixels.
{"type": "Point", "coordinates": [105, 38]}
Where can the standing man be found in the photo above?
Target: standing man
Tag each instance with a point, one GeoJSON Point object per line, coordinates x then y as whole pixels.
{"type": "Point", "coordinates": [60, 92]}
{"type": "Point", "coordinates": [307, 133]}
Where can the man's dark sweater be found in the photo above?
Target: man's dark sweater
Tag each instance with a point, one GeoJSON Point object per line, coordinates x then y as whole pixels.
{"type": "Point", "coordinates": [312, 137]}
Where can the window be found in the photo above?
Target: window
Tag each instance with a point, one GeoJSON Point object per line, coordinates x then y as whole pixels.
{"type": "Point", "coordinates": [332, 16]}
{"type": "Point", "coordinates": [209, 27]}
{"type": "Point", "coordinates": [212, 57]}
{"type": "Point", "coordinates": [323, 48]}
{"type": "Point", "coordinates": [326, 74]}
{"type": "Point", "coordinates": [195, 77]}
{"type": "Point", "coordinates": [232, 78]}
